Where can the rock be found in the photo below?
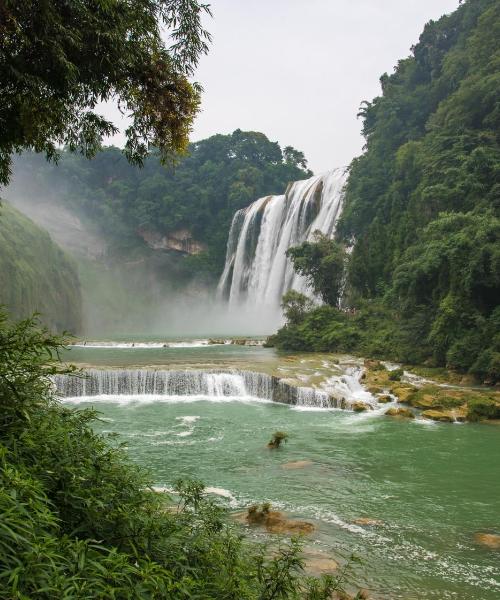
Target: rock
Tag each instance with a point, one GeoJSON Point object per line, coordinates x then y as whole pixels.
{"type": "Point", "coordinates": [368, 522]}
{"type": "Point", "coordinates": [373, 365]}
{"type": "Point", "coordinates": [384, 399]}
{"type": "Point", "coordinates": [373, 389]}
{"type": "Point", "coordinates": [213, 342]}
{"type": "Point", "coordinates": [490, 540]}
{"type": "Point", "coordinates": [298, 464]}
{"type": "Point", "coordinates": [318, 563]}
{"type": "Point", "coordinates": [400, 412]}
{"type": "Point", "coordinates": [402, 393]}
{"type": "Point", "coordinates": [425, 401]}
{"type": "Point", "coordinates": [443, 416]}
{"type": "Point", "coordinates": [277, 523]}
{"type": "Point", "coordinates": [360, 406]}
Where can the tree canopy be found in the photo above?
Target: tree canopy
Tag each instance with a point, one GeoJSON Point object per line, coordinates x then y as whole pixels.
{"type": "Point", "coordinates": [59, 59]}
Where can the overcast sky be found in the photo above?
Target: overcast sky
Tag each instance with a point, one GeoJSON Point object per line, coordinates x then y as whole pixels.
{"type": "Point", "coordinates": [297, 70]}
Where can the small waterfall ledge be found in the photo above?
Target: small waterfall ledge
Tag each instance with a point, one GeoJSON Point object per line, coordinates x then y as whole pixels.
{"type": "Point", "coordinates": [244, 385]}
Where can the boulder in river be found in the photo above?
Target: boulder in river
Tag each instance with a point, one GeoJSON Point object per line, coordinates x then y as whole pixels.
{"type": "Point", "coordinates": [360, 406]}
{"type": "Point", "coordinates": [444, 416]}
{"type": "Point", "coordinates": [400, 412]}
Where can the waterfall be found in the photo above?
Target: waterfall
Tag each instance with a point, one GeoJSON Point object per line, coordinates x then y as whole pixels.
{"type": "Point", "coordinates": [257, 272]}
{"type": "Point", "coordinates": [193, 384]}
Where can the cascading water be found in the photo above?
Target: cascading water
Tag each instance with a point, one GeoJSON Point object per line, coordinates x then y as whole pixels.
{"type": "Point", "coordinates": [192, 384]}
{"type": "Point", "coordinates": [257, 272]}
{"type": "Point", "coordinates": [198, 384]}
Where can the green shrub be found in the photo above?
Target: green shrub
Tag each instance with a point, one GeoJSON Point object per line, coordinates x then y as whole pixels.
{"type": "Point", "coordinates": [396, 374]}
{"type": "Point", "coordinates": [482, 408]}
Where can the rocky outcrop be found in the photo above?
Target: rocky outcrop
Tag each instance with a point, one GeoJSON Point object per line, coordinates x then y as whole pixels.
{"type": "Point", "coordinates": [276, 522]}
{"type": "Point", "coordinates": [178, 241]}
{"type": "Point", "coordinates": [400, 412]}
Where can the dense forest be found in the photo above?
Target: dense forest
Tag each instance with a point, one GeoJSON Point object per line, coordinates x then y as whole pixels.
{"type": "Point", "coordinates": [200, 193]}
{"type": "Point", "coordinates": [36, 275]}
{"type": "Point", "coordinates": [422, 211]}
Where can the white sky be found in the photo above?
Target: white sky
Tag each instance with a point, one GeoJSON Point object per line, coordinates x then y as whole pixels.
{"type": "Point", "coordinates": [297, 70]}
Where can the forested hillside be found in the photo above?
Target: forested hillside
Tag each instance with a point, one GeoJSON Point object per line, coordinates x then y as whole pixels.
{"type": "Point", "coordinates": [199, 194]}
{"type": "Point", "coordinates": [35, 274]}
{"type": "Point", "coordinates": [422, 208]}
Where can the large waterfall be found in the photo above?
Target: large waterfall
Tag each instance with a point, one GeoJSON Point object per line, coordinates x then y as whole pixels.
{"type": "Point", "coordinates": [257, 272]}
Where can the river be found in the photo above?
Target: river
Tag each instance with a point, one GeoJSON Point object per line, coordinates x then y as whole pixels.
{"type": "Point", "coordinates": [426, 488]}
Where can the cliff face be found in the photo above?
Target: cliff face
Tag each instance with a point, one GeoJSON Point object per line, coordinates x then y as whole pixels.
{"type": "Point", "coordinates": [178, 241]}
{"type": "Point", "coordinates": [36, 275]}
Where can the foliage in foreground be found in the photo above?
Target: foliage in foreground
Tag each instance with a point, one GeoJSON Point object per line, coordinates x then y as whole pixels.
{"type": "Point", "coordinates": [422, 211]}
{"type": "Point", "coordinates": [58, 60]}
{"type": "Point", "coordinates": [78, 520]}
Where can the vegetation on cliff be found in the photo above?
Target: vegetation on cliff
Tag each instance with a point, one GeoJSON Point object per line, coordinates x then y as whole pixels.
{"type": "Point", "coordinates": [79, 520]}
{"type": "Point", "coordinates": [422, 209]}
{"type": "Point", "coordinates": [36, 275]}
{"type": "Point", "coordinates": [201, 193]}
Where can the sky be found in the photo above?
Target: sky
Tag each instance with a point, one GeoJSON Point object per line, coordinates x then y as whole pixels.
{"type": "Point", "coordinates": [298, 70]}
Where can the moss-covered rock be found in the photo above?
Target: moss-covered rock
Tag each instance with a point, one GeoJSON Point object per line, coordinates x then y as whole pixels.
{"type": "Point", "coordinates": [402, 392]}
{"type": "Point", "coordinates": [384, 399]}
{"type": "Point", "coordinates": [360, 406]}
{"type": "Point", "coordinates": [439, 415]}
{"type": "Point", "coordinates": [400, 412]}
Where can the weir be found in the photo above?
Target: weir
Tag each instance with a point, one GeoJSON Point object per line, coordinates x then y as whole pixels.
{"type": "Point", "coordinates": [244, 385]}
{"type": "Point", "coordinates": [257, 272]}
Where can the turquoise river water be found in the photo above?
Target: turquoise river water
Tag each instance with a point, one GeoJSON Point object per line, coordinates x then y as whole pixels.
{"type": "Point", "coordinates": [429, 488]}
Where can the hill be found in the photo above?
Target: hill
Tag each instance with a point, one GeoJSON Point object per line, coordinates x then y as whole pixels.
{"type": "Point", "coordinates": [36, 275]}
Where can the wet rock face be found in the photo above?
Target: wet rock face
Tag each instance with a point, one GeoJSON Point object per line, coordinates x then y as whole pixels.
{"type": "Point", "coordinates": [444, 416]}
{"type": "Point", "coordinates": [400, 412]}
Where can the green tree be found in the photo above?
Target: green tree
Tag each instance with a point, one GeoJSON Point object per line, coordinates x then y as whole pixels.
{"type": "Point", "coordinates": [322, 263]}
{"type": "Point", "coordinates": [59, 59]}
{"type": "Point", "coordinates": [295, 306]}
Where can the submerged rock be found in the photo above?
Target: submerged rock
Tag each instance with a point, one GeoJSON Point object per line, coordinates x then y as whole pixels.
{"type": "Point", "coordinates": [297, 464]}
{"type": "Point", "coordinates": [405, 413]}
{"type": "Point", "coordinates": [366, 521]}
{"type": "Point", "coordinates": [490, 540]}
{"type": "Point", "coordinates": [318, 563]}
